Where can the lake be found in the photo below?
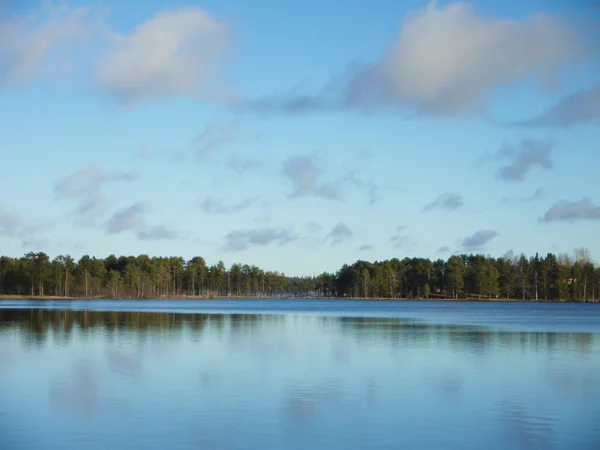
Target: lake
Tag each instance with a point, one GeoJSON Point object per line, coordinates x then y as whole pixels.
{"type": "Point", "coordinates": [298, 374]}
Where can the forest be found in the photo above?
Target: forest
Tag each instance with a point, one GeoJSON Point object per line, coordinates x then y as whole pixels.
{"type": "Point", "coordinates": [552, 277]}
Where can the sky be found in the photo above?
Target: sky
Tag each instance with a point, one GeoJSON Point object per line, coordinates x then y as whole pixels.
{"type": "Point", "coordinates": [299, 136]}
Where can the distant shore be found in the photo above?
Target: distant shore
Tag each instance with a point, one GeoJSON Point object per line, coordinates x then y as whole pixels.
{"type": "Point", "coordinates": [241, 297]}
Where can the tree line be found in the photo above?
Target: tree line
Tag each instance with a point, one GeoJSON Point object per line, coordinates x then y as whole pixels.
{"type": "Point", "coordinates": [468, 276]}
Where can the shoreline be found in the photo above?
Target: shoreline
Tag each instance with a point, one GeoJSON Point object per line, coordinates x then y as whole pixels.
{"type": "Point", "coordinates": [196, 297]}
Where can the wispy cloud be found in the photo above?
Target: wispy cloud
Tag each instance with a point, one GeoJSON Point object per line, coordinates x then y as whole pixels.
{"type": "Point", "coordinates": [33, 244]}
{"type": "Point", "coordinates": [449, 201]}
{"type": "Point", "coordinates": [573, 211]}
{"type": "Point", "coordinates": [132, 218]}
{"type": "Point", "coordinates": [538, 194]}
{"type": "Point", "coordinates": [242, 167]}
{"type": "Point", "coordinates": [84, 186]}
{"type": "Point", "coordinates": [579, 108]}
{"type": "Point", "coordinates": [443, 250]}
{"type": "Point", "coordinates": [170, 154]}
{"type": "Point", "coordinates": [156, 233]}
{"type": "Point", "coordinates": [339, 233]}
{"type": "Point", "coordinates": [370, 187]}
{"type": "Point", "coordinates": [313, 227]}
{"type": "Point", "coordinates": [479, 240]}
{"type": "Point", "coordinates": [30, 45]}
{"type": "Point", "coordinates": [365, 248]}
{"type": "Point", "coordinates": [239, 240]}
{"type": "Point", "coordinates": [446, 63]}
{"type": "Point", "coordinates": [216, 133]}
{"type": "Point", "coordinates": [127, 219]}
{"type": "Point", "coordinates": [215, 206]}
{"type": "Point", "coordinates": [398, 238]}
{"type": "Point", "coordinates": [12, 225]}
{"type": "Point", "coordinates": [517, 160]}
{"type": "Point", "coordinates": [304, 175]}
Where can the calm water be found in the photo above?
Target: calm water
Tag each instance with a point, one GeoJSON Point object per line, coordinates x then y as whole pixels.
{"type": "Point", "coordinates": [299, 375]}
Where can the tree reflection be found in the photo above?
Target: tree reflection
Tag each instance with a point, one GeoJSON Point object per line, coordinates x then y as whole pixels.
{"type": "Point", "coordinates": [38, 325]}
{"type": "Point", "coordinates": [470, 338]}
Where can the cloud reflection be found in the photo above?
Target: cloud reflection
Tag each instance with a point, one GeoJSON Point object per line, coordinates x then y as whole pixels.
{"type": "Point", "coordinates": [78, 392]}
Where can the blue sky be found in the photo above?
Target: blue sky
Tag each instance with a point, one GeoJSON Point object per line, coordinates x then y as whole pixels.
{"type": "Point", "coordinates": [299, 137]}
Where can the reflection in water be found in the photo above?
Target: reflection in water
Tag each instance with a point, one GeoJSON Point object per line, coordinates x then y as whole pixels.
{"type": "Point", "coordinates": [230, 381]}
{"type": "Point", "coordinates": [304, 400]}
{"type": "Point", "coordinates": [123, 362]}
{"type": "Point", "coordinates": [524, 430]}
{"type": "Point", "coordinates": [79, 391]}
{"type": "Point", "coordinates": [39, 325]}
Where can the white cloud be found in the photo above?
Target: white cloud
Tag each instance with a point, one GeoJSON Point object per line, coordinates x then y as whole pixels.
{"type": "Point", "coordinates": [340, 233]}
{"type": "Point", "coordinates": [12, 224]}
{"type": "Point", "coordinates": [35, 46]}
{"type": "Point", "coordinates": [132, 218]}
{"type": "Point", "coordinates": [85, 186]}
{"type": "Point", "coordinates": [304, 175]}
{"type": "Point", "coordinates": [572, 211]}
{"type": "Point", "coordinates": [174, 52]}
{"type": "Point", "coordinates": [479, 239]}
{"type": "Point", "coordinates": [448, 58]}
{"type": "Point", "coordinates": [449, 201]}
{"type": "Point", "coordinates": [239, 240]}
{"type": "Point", "coordinates": [518, 160]}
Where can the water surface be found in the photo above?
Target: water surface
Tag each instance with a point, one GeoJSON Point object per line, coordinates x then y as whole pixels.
{"type": "Point", "coordinates": [249, 374]}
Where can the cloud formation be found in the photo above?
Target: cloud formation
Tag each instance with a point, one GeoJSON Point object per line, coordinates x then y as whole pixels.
{"type": "Point", "coordinates": [127, 219]}
{"type": "Point", "coordinates": [398, 238]}
{"type": "Point", "coordinates": [519, 159]}
{"type": "Point", "coordinates": [449, 201]}
{"type": "Point", "coordinates": [369, 187]}
{"type": "Point", "coordinates": [539, 193]}
{"type": "Point", "coordinates": [567, 211]}
{"type": "Point", "coordinates": [242, 167]}
{"type": "Point", "coordinates": [365, 248]}
{"type": "Point", "coordinates": [579, 108]}
{"type": "Point", "coordinates": [313, 227]}
{"type": "Point", "coordinates": [215, 206]}
{"type": "Point", "coordinates": [132, 218]}
{"type": "Point", "coordinates": [30, 45]}
{"type": "Point", "coordinates": [173, 53]}
{"type": "Point", "coordinates": [478, 239]}
{"type": "Point", "coordinates": [156, 233]}
{"type": "Point", "coordinates": [176, 155]}
{"type": "Point", "coordinates": [443, 250]}
{"type": "Point", "coordinates": [240, 240]}
{"type": "Point", "coordinates": [12, 225]}
{"type": "Point", "coordinates": [339, 233]}
{"type": "Point", "coordinates": [84, 186]}
{"type": "Point", "coordinates": [33, 244]}
{"type": "Point", "coordinates": [447, 61]}
{"type": "Point", "coordinates": [214, 134]}
{"type": "Point", "coordinates": [304, 176]}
